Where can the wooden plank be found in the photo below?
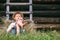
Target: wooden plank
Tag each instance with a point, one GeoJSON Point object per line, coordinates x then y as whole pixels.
{"type": "Point", "coordinates": [47, 11]}
{"type": "Point", "coordinates": [24, 12]}
{"type": "Point", "coordinates": [56, 26]}
{"type": "Point", "coordinates": [46, 7]}
{"type": "Point", "coordinates": [46, 20]}
{"type": "Point", "coordinates": [18, 3]}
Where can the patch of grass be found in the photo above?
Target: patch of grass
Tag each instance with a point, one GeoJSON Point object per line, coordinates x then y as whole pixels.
{"type": "Point", "coordinates": [33, 35]}
{"type": "Point", "coordinates": [51, 35]}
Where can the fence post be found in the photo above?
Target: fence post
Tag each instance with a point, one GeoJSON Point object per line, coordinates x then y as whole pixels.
{"type": "Point", "coordinates": [30, 9]}
{"type": "Point", "coordinates": [7, 10]}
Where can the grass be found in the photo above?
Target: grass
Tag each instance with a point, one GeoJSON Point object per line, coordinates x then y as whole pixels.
{"type": "Point", "coordinates": [33, 35]}
{"type": "Point", "coordinates": [49, 35]}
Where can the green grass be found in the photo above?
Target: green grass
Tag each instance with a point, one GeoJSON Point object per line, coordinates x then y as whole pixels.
{"type": "Point", "coordinates": [50, 35]}
{"type": "Point", "coordinates": [33, 35]}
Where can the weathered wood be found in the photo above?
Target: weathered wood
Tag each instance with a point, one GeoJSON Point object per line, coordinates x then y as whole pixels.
{"type": "Point", "coordinates": [18, 3]}
{"type": "Point", "coordinates": [24, 12]}
{"type": "Point", "coordinates": [47, 26]}
{"type": "Point", "coordinates": [7, 8]}
{"type": "Point", "coordinates": [46, 20]}
{"type": "Point", "coordinates": [47, 11]}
